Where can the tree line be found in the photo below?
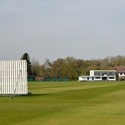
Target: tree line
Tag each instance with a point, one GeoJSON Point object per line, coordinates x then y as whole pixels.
{"type": "Point", "coordinates": [70, 67]}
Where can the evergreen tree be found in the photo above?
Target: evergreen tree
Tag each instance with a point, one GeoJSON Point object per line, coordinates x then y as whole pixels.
{"type": "Point", "coordinates": [29, 66]}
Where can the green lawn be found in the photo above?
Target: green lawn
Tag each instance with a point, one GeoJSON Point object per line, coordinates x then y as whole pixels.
{"type": "Point", "coordinates": [66, 103]}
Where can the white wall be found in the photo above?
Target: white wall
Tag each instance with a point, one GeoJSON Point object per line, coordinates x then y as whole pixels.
{"type": "Point", "coordinates": [13, 77]}
{"type": "Point", "coordinates": [91, 72]}
{"type": "Point", "coordinates": [82, 78]}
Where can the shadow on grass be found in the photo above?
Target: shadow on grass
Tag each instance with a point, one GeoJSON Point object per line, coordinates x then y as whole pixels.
{"type": "Point", "coordinates": [11, 96]}
{"type": "Point", "coordinates": [37, 95]}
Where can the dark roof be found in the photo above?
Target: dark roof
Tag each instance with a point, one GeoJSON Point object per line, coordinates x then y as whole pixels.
{"type": "Point", "coordinates": [120, 69]}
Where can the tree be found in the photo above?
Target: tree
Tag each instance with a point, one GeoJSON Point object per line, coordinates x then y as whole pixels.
{"type": "Point", "coordinates": [70, 69]}
{"type": "Point", "coordinates": [57, 68]}
{"type": "Point", "coordinates": [26, 57]}
{"type": "Point", "coordinates": [47, 68]}
{"type": "Point", "coordinates": [35, 67]}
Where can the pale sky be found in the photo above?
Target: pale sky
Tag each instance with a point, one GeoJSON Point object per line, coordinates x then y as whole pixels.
{"type": "Point", "coordinates": [84, 29]}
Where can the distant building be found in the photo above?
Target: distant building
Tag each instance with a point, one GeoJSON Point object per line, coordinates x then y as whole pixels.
{"type": "Point", "coordinates": [120, 71]}
{"type": "Point", "coordinates": [100, 75]}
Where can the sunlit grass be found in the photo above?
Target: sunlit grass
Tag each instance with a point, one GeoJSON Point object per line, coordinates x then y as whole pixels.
{"type": "Point", "coordinates": [66, 103]}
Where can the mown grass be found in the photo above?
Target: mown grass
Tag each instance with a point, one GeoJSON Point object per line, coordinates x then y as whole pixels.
{"type": "Point", "coordinates": [66, 103]}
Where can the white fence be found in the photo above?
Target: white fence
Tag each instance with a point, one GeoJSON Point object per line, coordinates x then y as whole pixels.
{"type": "Point", "coordinates": [13, 77]}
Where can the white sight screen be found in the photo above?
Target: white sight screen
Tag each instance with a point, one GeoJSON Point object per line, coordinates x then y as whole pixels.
{"type": "Point", "coordinates": [13, 77]}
